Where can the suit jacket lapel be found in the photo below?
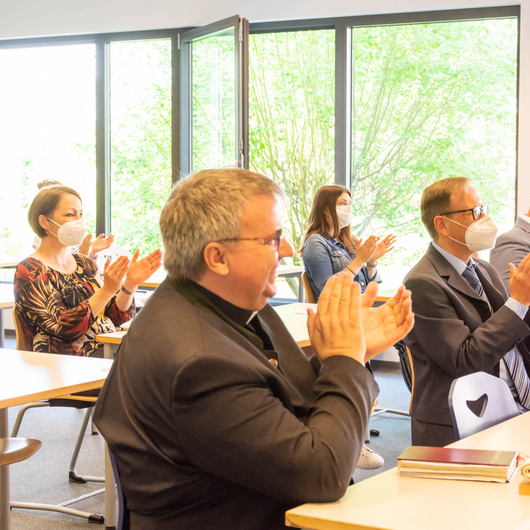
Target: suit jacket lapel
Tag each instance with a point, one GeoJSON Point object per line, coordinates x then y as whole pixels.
{"type": "Point", "coordinates": [447, 271]}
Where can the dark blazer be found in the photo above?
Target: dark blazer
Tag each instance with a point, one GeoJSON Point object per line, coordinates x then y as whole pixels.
{"type": "Point", "coordinates": [454, 334]}
{"type": "Point", "coordinates": [511, 247]}
{"type": "Point", "coordinates": [207, 433]}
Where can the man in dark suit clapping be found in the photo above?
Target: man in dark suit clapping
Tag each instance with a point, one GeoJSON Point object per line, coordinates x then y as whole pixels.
{"type": "Point", "coordinates": [464, 320]}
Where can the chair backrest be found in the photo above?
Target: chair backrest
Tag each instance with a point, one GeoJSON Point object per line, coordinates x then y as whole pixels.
{"type": "Point", "coordinates": [22, 343]}
{"type": "Point", "coordinates": [124, 515]}
{"type": "Point", "coordinates": [309, 294]}
{"type": "Point", "coordinates": [478, 401]}
{"type": "Point", "coordinates": [14, 450]}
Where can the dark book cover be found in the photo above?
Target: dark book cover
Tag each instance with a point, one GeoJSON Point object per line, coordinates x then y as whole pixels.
{"type": "Point", "coordinates": [449, 455]}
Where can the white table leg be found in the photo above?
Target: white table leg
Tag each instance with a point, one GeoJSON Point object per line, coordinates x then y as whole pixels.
{"type": "Point", "coordinates": [110, 492]}
{"type": "Point", "coordinates": [5, 515]}
{"type": "Point", "coordinates": [2, 331]}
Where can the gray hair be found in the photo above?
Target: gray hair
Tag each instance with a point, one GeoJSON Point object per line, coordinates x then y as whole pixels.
{"type": "Point", "coordinates": [206, 207]}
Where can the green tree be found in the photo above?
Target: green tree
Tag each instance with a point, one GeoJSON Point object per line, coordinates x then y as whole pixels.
{"type": "Point", "coordinates": [431, 101]}
{"type": "Point", "coordinates": [140, 140]}
{"type": "Point", "coordinates": [292, 117]}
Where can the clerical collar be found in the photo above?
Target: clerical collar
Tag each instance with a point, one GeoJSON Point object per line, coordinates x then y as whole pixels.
{"type": "Point", "coordinates": [237, 314]}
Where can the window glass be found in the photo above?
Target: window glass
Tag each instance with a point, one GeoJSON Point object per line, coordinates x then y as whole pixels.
{"type": "Point", "coordinates": [47, 131]}
{"type": "Point", "coordinates": [214, 90]}
{"type": "Point", "coordinates": [292, 117]}
{"type": "Point", "coordinates": [140, 110]}
{"type": "Point", "coordinates": [430, 101]}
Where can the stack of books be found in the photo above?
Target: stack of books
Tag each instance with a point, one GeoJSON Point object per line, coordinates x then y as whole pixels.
{"type": "Point", "coordinates": [457, 464]}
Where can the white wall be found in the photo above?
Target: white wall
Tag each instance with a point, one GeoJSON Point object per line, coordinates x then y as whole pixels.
{"type": "Point", "coordinates": [32, 18]}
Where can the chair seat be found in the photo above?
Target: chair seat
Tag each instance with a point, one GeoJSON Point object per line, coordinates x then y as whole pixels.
{"type": "Point", "coordinates": [17, 449]}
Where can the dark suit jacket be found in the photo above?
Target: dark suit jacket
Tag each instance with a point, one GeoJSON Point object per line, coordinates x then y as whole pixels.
{"type": "Point", "coordinates": [454, 334]}
{"type": "Point", "coordinates": [511, 247]}
{"type": "Point", "coordinates": [207, 433]}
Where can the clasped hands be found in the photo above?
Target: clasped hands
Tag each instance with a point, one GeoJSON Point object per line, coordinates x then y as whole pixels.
{"type": "Point", "coordinates": [347, 324]}
{"type": "Point", "coordinates": [130, 272]}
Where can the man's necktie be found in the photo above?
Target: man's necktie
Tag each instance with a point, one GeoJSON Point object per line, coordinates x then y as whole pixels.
{"type": "Point", "coordinates": [513, 360]}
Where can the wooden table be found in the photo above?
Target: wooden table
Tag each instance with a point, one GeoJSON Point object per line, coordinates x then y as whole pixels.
{"type": "Point", "coordinates": [293, 271]}
{"type": "Point", "coordinates": [8, 262]}
{"type": "Point", "coordinates": [293, 315]}
{"type": "Point", "coordinates": [7, 301]}
{"type": "Point", "coordinates": [285, 271]}
{"type": "Point", "coordinates": [388, 501]}
{"type": "Point", "coordinates": [33, 376]}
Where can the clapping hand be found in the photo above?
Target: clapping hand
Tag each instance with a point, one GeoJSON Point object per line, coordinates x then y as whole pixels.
{"type": "Point", "coordinates": [114, 274]}
{"type": "Point", "coordinates": [142, 270]}
{"type": "Point", "coordinates": [520, 281]}
{"type": "Point", "coordinates": [91, 248]}
{"type": "Point", "coordinates": [387, 324]}
{"type": "Point", "coordinates": [365, 250]}
{"type": "Point", "coordinates": [383, 246]}
{"type": "Point", "coordinates": [336, 328]}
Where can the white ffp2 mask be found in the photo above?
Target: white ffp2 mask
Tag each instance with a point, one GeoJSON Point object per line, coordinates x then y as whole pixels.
{"type": "Point", "coordinates": [71, 233]}
{"type": "Point", "coordinates": [344, 214]}
{"type": "Point", "coordinates": [480, 235]}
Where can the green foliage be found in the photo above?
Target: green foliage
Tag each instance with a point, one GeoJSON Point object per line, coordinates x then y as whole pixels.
{"type": "Point", "coordinates": [292, 117]}
{"type": "Point", "coordinates": [431, 101]}
{"type": "Point", "coordinates": [214, 89]}
{"type": "Point", "coordinates": [141, 141]}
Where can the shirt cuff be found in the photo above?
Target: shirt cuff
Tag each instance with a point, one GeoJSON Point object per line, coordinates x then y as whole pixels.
{"type": "Point", "coordinates": [518, 308]}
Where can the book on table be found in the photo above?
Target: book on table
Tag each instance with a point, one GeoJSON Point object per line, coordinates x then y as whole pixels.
{"type": "Point", "coordinates": [457, 464]}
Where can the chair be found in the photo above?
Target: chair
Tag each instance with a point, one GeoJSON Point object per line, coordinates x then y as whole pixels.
{"type": "Point", "coordinates": [309, 294]}
{"type": "Point", "coordinates": [78, 401]}
{"type": "Point", "coordinates": [13, 450]}
{"type": "Point", "coordinates": [124, 515]}
{"type": "Point", "coordinates": [478, 401]}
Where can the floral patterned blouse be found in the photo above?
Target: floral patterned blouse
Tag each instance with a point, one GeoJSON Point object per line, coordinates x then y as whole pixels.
{"type": "Point", "coordinates": [54, 310]}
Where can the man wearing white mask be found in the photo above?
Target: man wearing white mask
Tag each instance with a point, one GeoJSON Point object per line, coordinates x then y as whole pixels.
{"type": "Point", "coordinates": [464, 320]}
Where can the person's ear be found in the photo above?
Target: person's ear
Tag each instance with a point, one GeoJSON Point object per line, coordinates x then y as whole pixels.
{"type": "Point", "coordinates": [43, 222]}
{"type": "Point", "coordinates": [215, 258]}
{"type": "Point", "coordinates": [440, 224]}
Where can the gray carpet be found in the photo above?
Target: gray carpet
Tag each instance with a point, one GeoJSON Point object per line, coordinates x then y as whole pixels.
{"type": "Point", "coordinates": [44, 477]}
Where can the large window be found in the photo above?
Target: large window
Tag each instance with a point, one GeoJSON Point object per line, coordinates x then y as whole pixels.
{"type": "Point", "coordinates": [140, 117]}
{"type": "Point", "coordinates": [47, 131]}
{"type": "Point", "coordinates": [430, 101]}
{"type": "Point", "coordinates": [386, 104]}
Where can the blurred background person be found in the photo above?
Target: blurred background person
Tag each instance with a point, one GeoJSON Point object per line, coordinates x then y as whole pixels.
{"type": "Point", "coordinates": [511, 247]}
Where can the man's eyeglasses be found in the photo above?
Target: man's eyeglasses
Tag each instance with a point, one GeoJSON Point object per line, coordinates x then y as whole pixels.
{"type": "Point", "coordinates": [274, 241]}
{"type": "Point", "coordinates": [477, 211]}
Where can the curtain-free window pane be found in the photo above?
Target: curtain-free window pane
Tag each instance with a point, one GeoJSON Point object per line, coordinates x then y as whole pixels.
{"type": "Point", "coordinates": [140, 110]}
{"type": "Point", "coordinates": [292, 117]}
{"type": "Point", "coordinates": [430, 101]}
{"type": "Point", "coordinates": [47, 131]}
{"type": "Point", "coordinates": [214, 91]}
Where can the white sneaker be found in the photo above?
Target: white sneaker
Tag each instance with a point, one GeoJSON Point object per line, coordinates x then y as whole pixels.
{"type": "Point", "coordinates": [369, 459]}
